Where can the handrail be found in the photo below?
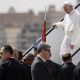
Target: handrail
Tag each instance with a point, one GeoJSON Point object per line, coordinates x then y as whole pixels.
{"type": "Point", "coordinates": [75, 52]}
{"type": "Point", "coordinates": [49, 31]}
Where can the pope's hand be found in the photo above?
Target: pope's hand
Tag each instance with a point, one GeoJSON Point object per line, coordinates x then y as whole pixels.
{"type": "Point", "coordinates": [54, 25]}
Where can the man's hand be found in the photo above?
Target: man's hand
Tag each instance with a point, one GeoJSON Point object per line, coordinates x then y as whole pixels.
{"type": "Point", "coordinates": [71, 46]}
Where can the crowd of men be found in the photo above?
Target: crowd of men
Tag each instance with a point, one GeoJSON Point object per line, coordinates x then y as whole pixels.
{"type": "Point", "coordinates": [36, 66]}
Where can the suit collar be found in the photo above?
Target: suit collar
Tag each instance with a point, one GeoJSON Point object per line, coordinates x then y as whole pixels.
{"type": "Point", "coordinates": [70, 62]}
{"type": "Point", "coordinates": [41, 58]}
{"type": "Point", "coordinates": [38, 59]}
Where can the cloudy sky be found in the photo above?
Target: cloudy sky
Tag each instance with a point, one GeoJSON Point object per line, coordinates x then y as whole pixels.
{"type": "Point", "coordinates": [25, 5]}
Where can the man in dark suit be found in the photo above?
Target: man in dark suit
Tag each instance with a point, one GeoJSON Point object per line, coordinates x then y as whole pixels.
{"type": "Point", "coordinates": [55, 70]}
{"type": "Point", "coordinates": [26, 66]}
{"type": "Point", "coordinates": [68, 66]}
{"type": "Point", "coordinates": [10, 69]}
{"type": "Point", "coordinates": [39, 69]}
{"type": "Point", "coordinates": [77, 72]}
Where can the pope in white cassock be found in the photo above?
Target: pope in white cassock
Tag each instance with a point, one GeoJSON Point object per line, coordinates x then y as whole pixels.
{"type": "Point", "coordinates": [71, 25]}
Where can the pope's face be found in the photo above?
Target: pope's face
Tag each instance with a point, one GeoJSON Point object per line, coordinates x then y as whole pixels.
{"type": "Point", "coordinates": [68, 8]}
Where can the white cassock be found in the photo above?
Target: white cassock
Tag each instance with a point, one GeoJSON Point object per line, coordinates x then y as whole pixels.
{"type": "Point", "coordinates": [71, 25]}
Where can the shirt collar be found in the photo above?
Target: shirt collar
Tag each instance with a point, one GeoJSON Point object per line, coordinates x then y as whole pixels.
{"type": "Point", "coordinates": [13, 57]}
{"type": "Point", "coordinates": [41, 58]}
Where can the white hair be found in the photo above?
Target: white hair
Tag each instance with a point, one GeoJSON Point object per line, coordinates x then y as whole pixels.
{"type": "Point", "coordinates": [68, 2]}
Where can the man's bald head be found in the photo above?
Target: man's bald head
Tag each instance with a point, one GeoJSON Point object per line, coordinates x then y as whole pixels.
{"type": "Point", "coordinates": [66, 57]}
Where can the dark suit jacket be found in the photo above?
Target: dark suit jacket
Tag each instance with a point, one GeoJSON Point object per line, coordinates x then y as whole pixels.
{"type": "Point", "coordinates": [77, 72]}
{"type": "Point", "coordinates": [68, 69]}
{"type": "Point", "coordinates": [27, 70]}
{"type": "Point", "coordinates": [11, 70]}
{"type": "Point", "coordinates": [55, 70]}
{"type": "Point", "coordinates": [39, 70]}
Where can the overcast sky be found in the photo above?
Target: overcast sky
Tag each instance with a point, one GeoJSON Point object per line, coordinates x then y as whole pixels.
{"type": "Point", "coordinates": [25, 5]}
